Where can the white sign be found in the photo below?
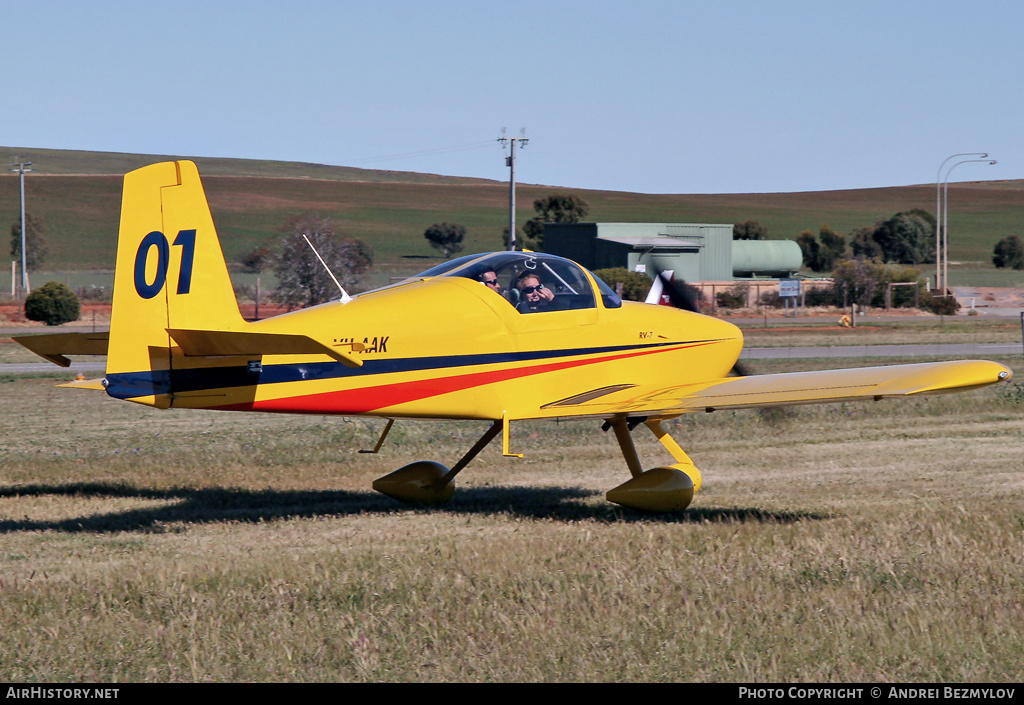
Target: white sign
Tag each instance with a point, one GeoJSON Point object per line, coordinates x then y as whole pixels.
{"type": "Point", "coordinates": [789, 287]}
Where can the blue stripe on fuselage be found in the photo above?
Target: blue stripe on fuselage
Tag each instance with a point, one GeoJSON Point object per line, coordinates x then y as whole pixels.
{"type": "Point", "coordinates": [126, 385]}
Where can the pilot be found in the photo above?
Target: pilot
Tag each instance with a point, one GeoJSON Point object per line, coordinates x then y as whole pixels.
{"type": "Point", "coordinates": [535, 296]}
{"type": "Point", "coordinates": [490, 280]}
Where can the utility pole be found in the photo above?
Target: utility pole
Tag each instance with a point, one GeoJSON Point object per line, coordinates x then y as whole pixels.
{"type": "Point", "coordinates": [510, 162]}
{"type": "Point", "coordinates": [22, 169]}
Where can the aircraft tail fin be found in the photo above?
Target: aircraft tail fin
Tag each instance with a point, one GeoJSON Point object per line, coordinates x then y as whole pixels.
{"type": "Point", "coordinates": [170, 274]}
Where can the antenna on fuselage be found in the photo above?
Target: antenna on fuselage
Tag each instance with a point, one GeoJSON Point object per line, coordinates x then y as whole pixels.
{"type": "Point", "coordinates": [345, 298]}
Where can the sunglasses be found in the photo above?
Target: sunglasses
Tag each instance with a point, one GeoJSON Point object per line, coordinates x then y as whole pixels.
{"type": "Point", "coordinates": [490, 282]}
{"type": "Point", "coordinates": [531, 289]}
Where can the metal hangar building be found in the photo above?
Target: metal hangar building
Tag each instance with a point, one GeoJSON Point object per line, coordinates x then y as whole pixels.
{"type": "Point", "coordinates": [697, 252]}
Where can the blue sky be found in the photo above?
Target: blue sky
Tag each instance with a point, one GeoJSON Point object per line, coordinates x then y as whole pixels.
{"type": "Point", "coordinates": [648, 96]}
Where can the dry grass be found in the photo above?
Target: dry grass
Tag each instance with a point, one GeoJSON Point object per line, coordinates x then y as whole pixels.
{"type": "Point", "coordinates": [878, 542]}
{"type": "Point", "coordinates": [896, 330]}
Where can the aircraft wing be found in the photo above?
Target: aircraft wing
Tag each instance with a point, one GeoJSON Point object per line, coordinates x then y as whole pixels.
{"type": "Point", "coordinates": [785, 389]}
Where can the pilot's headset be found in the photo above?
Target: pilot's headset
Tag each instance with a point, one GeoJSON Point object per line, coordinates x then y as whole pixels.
{"type": "Point", "coordinates": [513, 295]}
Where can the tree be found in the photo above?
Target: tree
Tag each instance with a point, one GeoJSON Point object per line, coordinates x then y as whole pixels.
{"type": "Point", "coordinates": [36, 248]}
{"type": "Point", "coordinates": [822, 253]}
{"type": "Point", "coordinates": [556, 208]}
{"type": "Point", "coordinates": [857, 281]}
{"type": "Point", "coordinates": [749, 230]}
{"type": "Point", "coordinates": [531, 237]}
{"type": "Point", "coordinates": [257, 259]}
{"type": "Point", "coordinates": [833, 248]}
{"type": "Point", "coordinates": [809, 247]}
{"type": "Point", "coordinates": [907, 237]}
{"type": "Point", "coordinates": [446, 237]}
{"type": "Point", "coordinates": [1009, 253]}
{"type": "Point", "coordinates": [302, 279]}
{"type": "Point", "coordinates": [863, 245]}
{"type": "Point", "coordinates": [53, 303]}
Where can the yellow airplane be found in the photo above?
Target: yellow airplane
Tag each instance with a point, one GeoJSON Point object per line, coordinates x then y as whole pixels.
{"type": "Point", "coordinates": [498, 337]}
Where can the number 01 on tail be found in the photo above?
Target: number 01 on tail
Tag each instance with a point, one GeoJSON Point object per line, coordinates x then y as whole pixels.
{"type": "Point", "coordinates": [155, 243]}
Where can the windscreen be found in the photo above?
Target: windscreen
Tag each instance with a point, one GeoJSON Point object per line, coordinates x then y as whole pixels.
{"type": "Point", "coordinates": [532, 282]}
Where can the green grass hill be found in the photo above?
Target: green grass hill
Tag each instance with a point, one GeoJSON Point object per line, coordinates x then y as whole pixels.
{"type": "Point", "coordinates": [77, 194]}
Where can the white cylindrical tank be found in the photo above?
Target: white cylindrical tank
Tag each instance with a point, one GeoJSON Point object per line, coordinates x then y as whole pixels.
{"type": "Point", "coordinates": [772, 258]}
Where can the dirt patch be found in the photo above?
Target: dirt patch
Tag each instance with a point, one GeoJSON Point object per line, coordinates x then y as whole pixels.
{"type": "Point", "coordinates": [989, 297]}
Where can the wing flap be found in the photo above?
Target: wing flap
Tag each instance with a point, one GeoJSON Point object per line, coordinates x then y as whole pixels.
{"type": "Point", "coordinates": [790, 388]}
{"type": "Point", "coordinates": [225, 343]}
{"type": "Point", "coordinates": [55, 347]}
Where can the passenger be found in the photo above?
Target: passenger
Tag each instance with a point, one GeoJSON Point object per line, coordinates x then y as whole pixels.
{"type": "Point", "coordinates": [490, 280]}
{"type": "Point", "coordinates": [535, 296]}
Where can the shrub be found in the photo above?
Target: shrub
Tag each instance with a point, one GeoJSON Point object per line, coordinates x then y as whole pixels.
{"type": "Point", "coordinates": [819, 296]}
{"type": "Point", "coordinates": [94, 292]}
{"type": "Point", "coordinates": [771, 299]}
{"type": "Point", "coordinates": [1008, 253]}
{"type": "Point", "coordinates": [53, 304]}
{"type": "Point", "coordinates": [941, 305]}
{"type": "Point", "coordinates": [735, 297]}
{"type": "Point", "coordinates": [635, 285]}
{"type": "Point", "coordinates": [864, 282]}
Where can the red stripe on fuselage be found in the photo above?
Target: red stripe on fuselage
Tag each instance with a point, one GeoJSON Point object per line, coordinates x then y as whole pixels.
{"type": "Point", "coordinates": [366, 399]}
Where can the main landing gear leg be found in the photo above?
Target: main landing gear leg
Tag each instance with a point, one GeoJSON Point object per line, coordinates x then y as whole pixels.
{"type": "Point", "coordinates": [662, 489]}
{"type": "Point", "coordinates": [427, 482]}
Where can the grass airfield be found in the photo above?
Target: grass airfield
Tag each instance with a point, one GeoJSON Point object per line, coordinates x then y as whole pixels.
{"type": "Point", "coordinates": [871, 542]}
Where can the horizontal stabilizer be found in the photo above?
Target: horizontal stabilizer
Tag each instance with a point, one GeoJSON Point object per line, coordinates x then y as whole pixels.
{"type": "Point", "coordinates": [56, 346]}
{"type": "Point", "coordinates": [226, 342]}
{"type": "Point", "coordinates": [95, 384]}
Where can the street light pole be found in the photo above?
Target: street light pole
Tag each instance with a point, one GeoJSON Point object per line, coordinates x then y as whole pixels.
{"type": "Point", "coordinates": [945, 219]}
{"type": "Point", "coordinates": [22, 168]}
{"type": "Point", "coordinates": [939, 224]}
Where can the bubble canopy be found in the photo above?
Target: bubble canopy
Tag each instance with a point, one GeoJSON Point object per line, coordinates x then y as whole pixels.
{"type": "Point", "coordinates": [517, 272]}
